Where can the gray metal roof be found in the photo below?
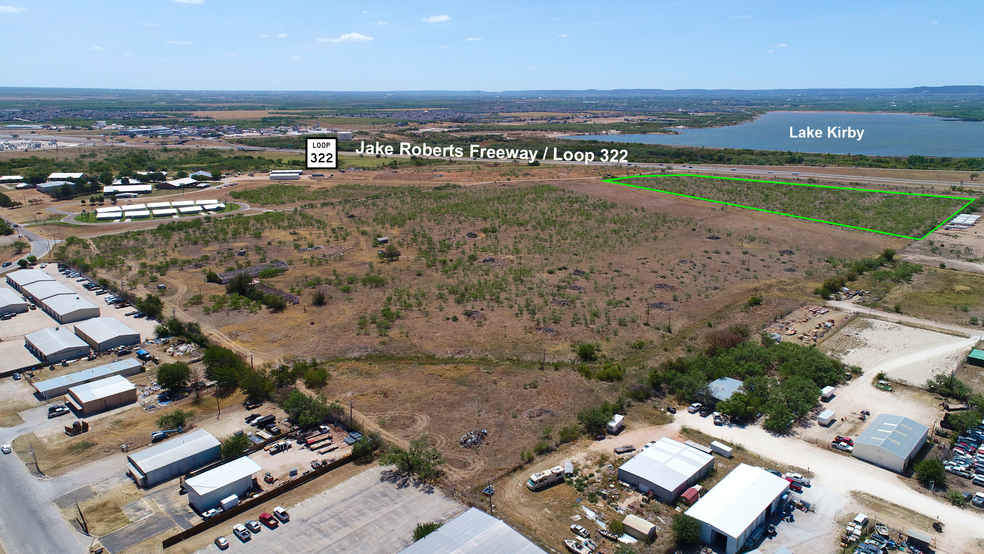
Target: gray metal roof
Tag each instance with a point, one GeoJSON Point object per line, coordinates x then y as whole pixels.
{"type": "Point", "coordinates": [723, 388]}
{"type": "Point", "coordinates": [66, 304]}
{"type": "Point", "coordinates": [221, 476]}
{"type": "Point", "coordinates": [51, 341]}
{"type": "Point", "coordinates": [102, 329]}
{"type": "Point", "coordinates": [897, 434]}
{"type": "Point", "coordinates": [667, 463]}
{"type": "Point", "coordinates": [10, 298]}
{"type": "Point", "coordinates": [102, 388]}
{"type": "Point", "coordinates": [27, 276]}
{"type": "Point", "coordinates": [46, 289]}
{"type": "Point", "coordinates": [176, 449]}
{"type": "Point", "coordinates": [474, 532]}
{"type": "Point", "coordinates": [87, 375]}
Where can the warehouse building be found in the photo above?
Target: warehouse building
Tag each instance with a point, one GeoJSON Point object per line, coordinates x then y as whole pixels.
{"type": "Point", "coordinates": [474, 532]}
{"type": "Point", "coordinates": [11, 302]}
{"type": "Point", "coordinates": [171, 458]}
{"type": "Point", "coordinates": [52, 186]}
{"type": "Point", "coordinates": [206, 490]}
{"type": "Point", "coordinates": [104, 394]}
{"type": "Point", "coordinates": [42, 290]}
{"type": "Point", "coordinates": [19, 279]}
{"type": "Point", "coordinates": [723, 388]}
{"type": "Point", "coordinates": [64, 176]}
{"type": "Point", "coordinates": [128, 189]}
{"type": "Point", "coordinates": [178, 183]}
{"type": "Point", "coordinates": [105, 333]}
{"type": "Point", "coordinates": [53, 346]}
{"type": "Point", "coordinates": [733, 509]}
{"type": "Point", "coordinates": [69, 309]}
{"type": "Point", "coordinates": [666, 468]}
{"type": "Point", "coordinates": [53, 388]}
{"type": "Point", "coordinates": [890, 441]}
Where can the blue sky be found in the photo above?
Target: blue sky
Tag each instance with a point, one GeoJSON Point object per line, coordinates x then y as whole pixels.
{"type": "Point", "coordinates": [492, 45]}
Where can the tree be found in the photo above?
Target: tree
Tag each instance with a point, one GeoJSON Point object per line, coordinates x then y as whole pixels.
{"type": "Point", "coordinates": [948, 386]}
{"type": "Point", "coordinates": [5, 228]}
{"type": "Point", "coordinates": [173, 377]}
{"type": "Point", "coordinates": [284, 376]}
{"type": "Point", "coordinates": [424, 529]}
{"type": "Point", "coordinates": [20, 246]}
{"type": "Point", "coordinates": [151, 305]}
{"type": "Point", "coordinates": [616, 526]}
{"type": "Point", "coordinates": [174, 419]}
{"type": "Point", "coordinates": [241, 284]}
{"type": "Point", "coordinates": [961, 421]}
{"type": "Point", "coordinates": [256, 384]}
{"type": "Point", "coordinates": [22, 263]}
{"type": "Point", "coordinates": [778, 419]}
{"type": "Point", "coordinates": [587, 352]}
{"type": "Point", "coordinates": [956, 498]}
{"type": "Point", "coordinates": [569, 433]}
{"type": "Point", "coordinates": [686, 530]}
{"type": "Point", "coordinates": [305, 410]}
{"type": "Point", "coordinates": [319, 298]}
{"type": "Point", "coordinates": [390, 253]}
{"type": "Point", "coordinates": [6, 202]}
{"type": "Point", "coordinates": [930, 470]}
{"type": "Point", "coordinates": [223, 366]}
{"type": "Point", "coordinates": [418, 460]}
{"type": "Point", "coordinates": [366, 447]}
{"type": "Point", "coordinates": [738, 406]}
{"type": "Point", "coordinates": [594, 419]}
{"type": "Point", "coordinates": [274, 302]}
{"type": "Point", "coordinates": [212, 277]}
{"type": "Point", "coordinates": [974, 176]}
{"type": "Point", "coordinates": [234, 446]}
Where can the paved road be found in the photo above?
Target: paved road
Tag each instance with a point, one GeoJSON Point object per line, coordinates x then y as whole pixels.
{"type": "Point", "coordinates": [367, 513]}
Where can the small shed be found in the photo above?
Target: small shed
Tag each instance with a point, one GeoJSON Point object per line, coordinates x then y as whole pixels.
{"type": "Point", "coordinates": [976, 357]}
{"type": "Point", "coordinates": [827, 393]}
{"type": "Point", "coordinates": [827, 417]}
{"type": "Point", "coordinates": [690, 496]}
{"type": "Point", "coordinates": [383, 240]}
{"type": "Point", "coordinates": [918, 538]}
{"type": "Point", "coordinates": [639, 528]}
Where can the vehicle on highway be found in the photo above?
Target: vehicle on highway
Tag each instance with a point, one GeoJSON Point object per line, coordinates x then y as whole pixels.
{"type": "Point", "coordinates": [7, 264]}
{"type": "Point", "coordinates": [241, 533]}
{"type": "Point", "coordinates": [211, 513]}
{"type": "Point", "coordinates": [253, 525]}
{"type": "Point", "coordinates": [844, 440]}
{"type": "Point", "coordinates": [578, 530]}
{"type": "Point", "coordinates": [281, 514]}
{"type": "Point", "coordinates": [269, 520]}
{"type": "Point", "coordinates": [222, 543]}
{"type": "Point", "coordinates": [5, 449]}
{"type": "Point", "coordinates": [794, 173]}
{"type": "Point", "coordinates": [694, 408]}
{"type": "Point", "coordinates": [797, 478]}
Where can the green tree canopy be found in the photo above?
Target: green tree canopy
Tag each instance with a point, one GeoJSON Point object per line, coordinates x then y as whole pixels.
{"type": "Point", "coordinates": [173, 377]}
{"type": "Point", "coordinates": [686, 530]}
{"type": "Point", "coordinates": [930, 470]}
{"type": "Point", "coordinates": [419, 460]}
{"type": "Point", "coordinates": [234, 446]}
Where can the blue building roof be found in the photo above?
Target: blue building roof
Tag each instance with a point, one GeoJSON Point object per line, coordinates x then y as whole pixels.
{"type": "Point", "coordinates": [723, 388]}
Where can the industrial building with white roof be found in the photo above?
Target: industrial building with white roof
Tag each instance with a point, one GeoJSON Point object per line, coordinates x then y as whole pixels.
{"type": "Point", "coordinates": [42, 290]}
{"type": "Point", "coordinates": [104, 394]}
{"type": "Point", "coordinates": [11, 302]}
{"type": "Point", "coordinates": [666, 468]}
{"type": "Point", "coordinates": [52, 346]}
{"type": "Point", "coordinates": [474, 532]}
{"type": "Point", "coordinates": [69, 308]}
{"type": "Point", "coordinates": [105, 333]}
{"type": "Point", "coordinates": [890, 441]}
{"type": "Point", "coordinates": [52, 388]}
{"type": "Point", "coordinates": [171, 458]}
{"type": "Point", "coordinates": [18, 279]}
{"type": "Point", "coordinates": [742, 501]}
{"type": "Point", "coordinates": [208, 489]}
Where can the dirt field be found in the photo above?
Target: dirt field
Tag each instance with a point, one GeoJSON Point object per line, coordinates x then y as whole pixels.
{"type": "Point", "coordinates": [809, 324]}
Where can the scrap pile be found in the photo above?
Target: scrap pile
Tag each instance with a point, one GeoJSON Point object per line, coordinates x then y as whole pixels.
{"type": "Point", "coordinates": [473, 438]}
{"type": "Point", "coordinates": [179, 350]}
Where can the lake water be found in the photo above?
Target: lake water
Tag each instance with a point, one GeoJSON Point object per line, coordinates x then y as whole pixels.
{"type": "Point", "coordinates": [884, 135]}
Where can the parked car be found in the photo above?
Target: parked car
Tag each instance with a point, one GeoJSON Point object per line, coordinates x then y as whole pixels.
{"type": "Point", "coordinates": [250, 404]}
{"type": "Point", "coordinates": [281, 514]}
{"type": "Point", "coordinates": [694, 408]}
{"type": "Point", "coordinates": [705, 411]}
{"type": "Point", "coordinates": [842, 446]}
{"type": "Point", "coordinates": [774, 472]}
{"type": "Point", "coordinates": [794, 486]}
{"type": "Point", "coordinates": [273, 430]}
{"type": "Point", "coordinates": [17, 376]}
{"type": "Point", "coordinates": [797, 478]}
{"type": "Point", "coordinates": [211, 513]}
{"type": "Point", "coordinates": [7, 264]}
{"type": "Point", "coordinates": [58, 411]}
{"type": "Point", "coordinates": [978, 500]}
{"type": "Point", "coordinates": [241, 533]}
{"type": "Point", "coordinates": [222, 543]}
{"type": "Point", "coordinates": [979, 479]}
{"type": "Point", "coordinates": [269, 520]}
{"type": "Point", "coordinates": [844, 440]}
{"type": "Point", "coordinates": [671, 410]}
{"type": "Point", "coordinates": [578, 530]}
{"type": "Point", "coordinates": [253, 525]}
{"type": "Point", "coordinates": [252, 417]}
{"type": "Point", "coordinates": [128, 314]}
{"type": "Point", "coordinates": [5, 449]}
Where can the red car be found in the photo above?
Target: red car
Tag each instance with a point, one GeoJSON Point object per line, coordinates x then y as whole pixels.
{"type": "Point", "coordinates": [794, 486]}
{"type": "Point", "coordinates": [269, 521]}
{"type": "Point", "coordinates": [844, 440]}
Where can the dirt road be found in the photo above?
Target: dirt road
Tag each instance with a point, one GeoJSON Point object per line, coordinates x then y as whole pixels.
{"type": "Point", "coordinates": [906, 319]}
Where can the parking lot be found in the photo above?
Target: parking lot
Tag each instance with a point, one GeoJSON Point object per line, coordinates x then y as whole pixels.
{"type": "Point", "coordinates": [298, 457]}
{"type": "Point", "coordinates": [371, 512]}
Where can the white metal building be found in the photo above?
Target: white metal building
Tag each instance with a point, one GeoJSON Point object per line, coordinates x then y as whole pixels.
{"type": "Point", "coordinates": [666, 468]}
{"type": "Point", "coordinates": [171, 458]}
{"type": "Point", "coordinates": [104, 394]}
{"type": "Point", "coordinates": [104, 333]}
{"type": "Point", "coordinates": [51, 186]}
{"type": "Point", "coordinates": [52, 346]}
{"type": "Point", "coordinates": [53, 388]}
{"type": "Point", "coordinates": [474, 532]}
{"type": "Point", "coordinates": [206, 491]}
{"type": "Point", "coordinates": [178, 183]}
{"type": "Point", "coordinates": [742, 501]}
{"type": "Point", "coordinates": [63, 176]}
{"type": "Point", "coordinates": [19, 279]}
{"type": "Point", "coordinates": [42, 290]}
{"type": "Point", "coordinates": [11, 302]}
{"type": "Point", "coordinates": [890, 441]}
{"type": "Point", "coordinates": [128, 189]}
{"type": "Point", "coordinates": [69, 309]}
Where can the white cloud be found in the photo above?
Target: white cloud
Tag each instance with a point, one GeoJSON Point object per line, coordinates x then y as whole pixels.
{"type": "Point", "coordinates": [443, 46]}
{"type": "Point", "coordinates": [264, 36]}
{"type": "Point", "coordinates": [190, 1]}
{"type": "Point", "coordinates": [295, 57]}
{"type": "Point", "coordinates": [365, 11]}
{"type": "Point", "coordinates": [380, 23]}
{"type": "Point", "coordinates": [348, 37]}
{"type": "Point", "coordinates": [781, 45]}
{"type": "Point", "coordinates": [11, 9]}
{"type": "Point", "coordinates": [127, 53]}
{"type": "Point", "coordinates": [149, 24]}
{"type": "Point", "coordinates": [97, 48]}
{"type": "Point", "coordinates": [561, 36]}
{"type": "Point", "coordinates": [472, 39]}
{"type": "Point", "coordinates": [281, 35]}
{"type": "Point", "coordinates": [740, 17]}
{"type": "Point", "coordinates": [179, 42]}
{"type": "Point", "coordinates": [935, 23]}
{"type": "Point", "coordinates": [437, 19]}
{"type": "Point", "coordinates": [770, 52]}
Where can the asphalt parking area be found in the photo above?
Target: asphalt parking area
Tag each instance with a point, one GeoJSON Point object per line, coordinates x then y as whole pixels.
{"type": "Point", "coordinates": [372, 512]}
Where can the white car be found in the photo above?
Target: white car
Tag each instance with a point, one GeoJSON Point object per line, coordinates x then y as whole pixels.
{"type": "Point", "coordinates": [797, 478]}
{"type": "Point", "coordinates": [5, 449]}
{"type": "Point", "coordinates": [694, 408]}
{"type": "Point", "coordinates": [842, 446]}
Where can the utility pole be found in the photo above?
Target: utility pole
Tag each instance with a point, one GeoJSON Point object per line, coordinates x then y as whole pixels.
{"type": "Point", "coordinates": [350, 412]}
{"type": "Point", "coordinates": [82, 522]}
{"type": "Point", "coordinates": [218, 408]}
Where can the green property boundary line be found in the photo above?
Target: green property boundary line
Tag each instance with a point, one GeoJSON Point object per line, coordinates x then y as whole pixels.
{"type": "Point", "coordinates": [618, 181]}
